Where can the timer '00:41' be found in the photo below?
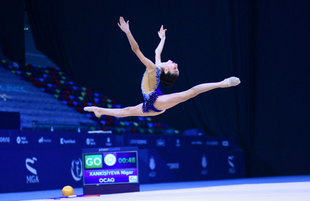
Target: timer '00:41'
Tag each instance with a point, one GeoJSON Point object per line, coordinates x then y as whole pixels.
{"type": "Point", "coordinates": [127, 160]}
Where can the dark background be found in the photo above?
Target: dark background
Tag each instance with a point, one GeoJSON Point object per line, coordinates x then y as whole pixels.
{"type": "Point", "coordinates": [265, 43]}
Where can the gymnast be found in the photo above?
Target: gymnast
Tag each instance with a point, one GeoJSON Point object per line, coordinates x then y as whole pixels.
{"type": "Point", "coordinates": [155, 102]}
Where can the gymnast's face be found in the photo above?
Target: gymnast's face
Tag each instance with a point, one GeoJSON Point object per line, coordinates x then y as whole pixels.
{"type": "Point", "coordinates": [171, 67]}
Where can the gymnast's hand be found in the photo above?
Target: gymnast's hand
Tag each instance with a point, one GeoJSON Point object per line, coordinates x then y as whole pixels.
{"type": "Point", "coordinates": [162, 32]}
{"type": "Point", "coordinates": [124, 26]}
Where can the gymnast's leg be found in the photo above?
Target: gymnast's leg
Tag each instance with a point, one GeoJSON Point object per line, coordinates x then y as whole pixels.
{"type": "Point", "coordinates": [121, 112]}
{"type": "Point", "coordinates": [167, 101]}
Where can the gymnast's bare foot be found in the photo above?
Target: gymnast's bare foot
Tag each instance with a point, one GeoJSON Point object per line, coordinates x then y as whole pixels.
{"type": "Point", "coordinates": [93, 109]}
{"type": "Point", "coordinates": [231, 82]}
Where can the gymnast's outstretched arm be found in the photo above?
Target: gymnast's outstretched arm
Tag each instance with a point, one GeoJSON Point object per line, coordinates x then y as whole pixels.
{"type": "Point", "coordinates": [124, 26]}
{"type": "Point", "coordinates": [159, 49]}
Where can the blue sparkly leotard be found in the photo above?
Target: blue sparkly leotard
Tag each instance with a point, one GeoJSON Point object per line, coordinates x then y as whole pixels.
{"type": "Point", "coordinates": [154, 90]}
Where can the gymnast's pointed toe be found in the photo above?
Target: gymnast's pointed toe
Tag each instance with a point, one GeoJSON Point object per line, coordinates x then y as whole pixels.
{"type": "Point", "coordinates": [233, 81]}
{"type": "Point", "coordinates": [88, 109]}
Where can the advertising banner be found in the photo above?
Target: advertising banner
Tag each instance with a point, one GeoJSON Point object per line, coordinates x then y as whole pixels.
{"type": "Point", "coordinates": [190, 165]}
{"type": "Point", "coordinates": [29, 170]}
{"type": "Point", "coordinates": [36, 160]}
{"type": "Point", "coordinates": [174, 141]}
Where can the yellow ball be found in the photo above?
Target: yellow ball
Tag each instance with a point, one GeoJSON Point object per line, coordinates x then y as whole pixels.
{"type": "Point", "coordinates": [67, 191]}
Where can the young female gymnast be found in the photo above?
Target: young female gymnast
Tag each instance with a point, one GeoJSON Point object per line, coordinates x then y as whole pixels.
{"type": "Point", "coordinates": [155, 102]}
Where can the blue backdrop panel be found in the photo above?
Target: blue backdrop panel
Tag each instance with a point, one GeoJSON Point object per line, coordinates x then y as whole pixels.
{"type": "Point", "coordinates": [186, 158]}
{"type": "Point", "coordinates": [143, 165]}
{"type": "Point", "coordinates": [158, 169]}
{"type": "Point", "coordinates": [35, 160]}
{"type": "Point", "coordinates": [157, 166]}
{"type": "Point", "coordinates": [30, 170]}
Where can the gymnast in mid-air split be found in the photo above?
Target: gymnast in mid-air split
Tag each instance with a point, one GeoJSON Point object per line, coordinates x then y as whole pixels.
{"type": "Point", "coordinates": [155, 102]}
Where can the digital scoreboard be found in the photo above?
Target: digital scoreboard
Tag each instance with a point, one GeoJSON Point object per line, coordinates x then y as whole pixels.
{"type": "Point", "coordinates": [110, 166]}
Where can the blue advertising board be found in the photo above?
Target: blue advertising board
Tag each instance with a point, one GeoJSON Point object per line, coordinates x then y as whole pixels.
{"type": "Point", "coordinates": [190, 165]}
{"type": "Point", "coordinates": [28, 170]}
{"type": "Point", "coordinates": [186, 158]}
{"type": "Point", "coordinates": [38, 140]}
{"type": "Point", "coordinates": [36, 160]}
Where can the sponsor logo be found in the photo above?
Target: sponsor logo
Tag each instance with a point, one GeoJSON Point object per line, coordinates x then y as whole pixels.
{"type": "Point", "coordinates": [90, 141]}
{"type": "Point", "coordinates": [108, 143]}
{"type": "Point", "coordinates": [103, 149]}
{"type": "Point", "coordinates": [76, 169]}
{"type": "Point", "coordinates": [133, 179]}
{"type": "Point", "coordinates": [12, 88]}
{"type": "Point", "coordinates": [4, 139]}
{"type": "Point", "coordinates": [109, 159]}
{"type": "Point", "coordinates": [106, 180]}
{"type": "Point", "coordinates": [21, 140]}
{"type": "Point", "coordinates": [138, 141]}
{"type": "Point", "coordinates": [42, 140]}
{"type": "Point", "coordinates": [173, 165]}
{"type": "Point", "coordinates": [196, 142]}
{"type": "Point", "coordinates": [4, 96]}
{"type": "Point", "coordinates": [231, 169]}
{"type": "Point", "coordinates": [225, 143]}
{"type": "Point", "coordinates": [212, 143]}
{"type": "Point", "coordinates": [93, 161]}
{"type": "Point", "coordinates": [67, 141]}
{"type": "Point", "coordinates": [152, 163]}
{"type": "Point", "coordinates": [152, 166]}
{"type": "Point", "coordinates": [33, 178]}
{"type": "Point", "coordinates": [204, 161]}
{"type": "Point", "coordinates": [204, 164]}
{"type": "Point", "coordinates": [177, 144]}
{"type": "Point", "coordinates": [161, 143]}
